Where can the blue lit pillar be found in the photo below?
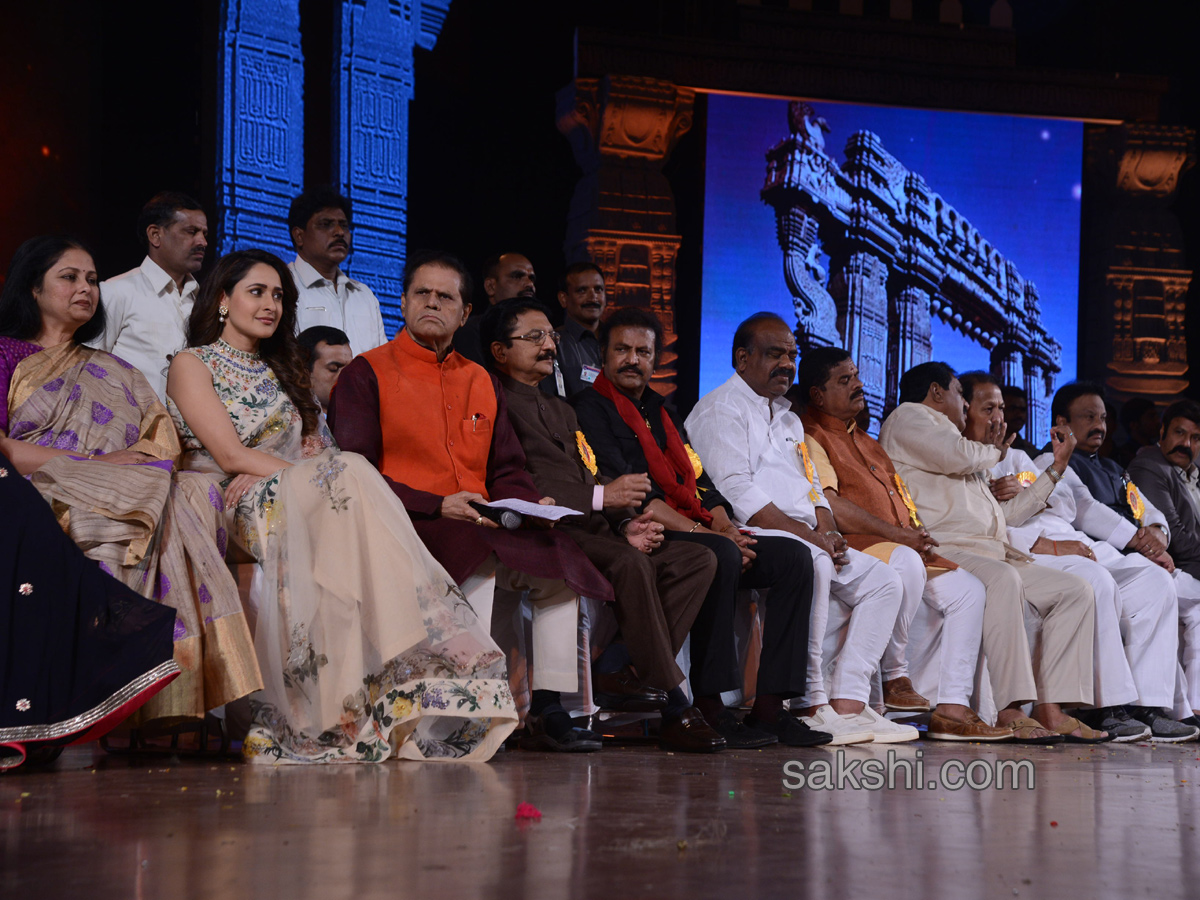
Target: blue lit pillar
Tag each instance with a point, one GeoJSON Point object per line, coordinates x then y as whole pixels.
{"type": "Point", "coordinates": [373, 85]}
{"type": "Point", "coordinates": [260, 123]}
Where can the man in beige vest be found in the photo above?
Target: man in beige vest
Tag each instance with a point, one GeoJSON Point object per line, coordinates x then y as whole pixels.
{"type": "Point", "coordinates": [948, 477]}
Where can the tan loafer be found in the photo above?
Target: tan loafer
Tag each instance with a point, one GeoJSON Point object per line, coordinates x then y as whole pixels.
{"type": "Point", "coordinates": [972, 728]}
{"type": "Point", "coordinates": [898, 694]}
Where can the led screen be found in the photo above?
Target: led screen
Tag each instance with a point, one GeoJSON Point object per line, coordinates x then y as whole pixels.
{"type": "Point", "coordinates": [1003, 193]}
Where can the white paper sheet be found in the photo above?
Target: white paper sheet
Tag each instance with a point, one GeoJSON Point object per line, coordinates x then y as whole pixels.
{"type": "Point", "coordinates": [535, 510]}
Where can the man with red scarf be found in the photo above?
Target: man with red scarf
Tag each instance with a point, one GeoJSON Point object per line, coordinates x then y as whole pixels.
{"type": "Point", "coordinates": [631, 430]}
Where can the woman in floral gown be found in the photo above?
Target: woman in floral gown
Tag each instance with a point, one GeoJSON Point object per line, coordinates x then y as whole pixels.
{"type": "Point", "coordinates": [367, 647]}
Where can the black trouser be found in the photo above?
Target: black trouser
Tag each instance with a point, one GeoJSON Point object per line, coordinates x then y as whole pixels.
{"type": "Point", "coordinates": [782, 566]}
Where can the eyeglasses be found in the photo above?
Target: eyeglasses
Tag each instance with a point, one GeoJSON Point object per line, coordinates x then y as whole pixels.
{"type": "Point", "coordinates": [536, 337]}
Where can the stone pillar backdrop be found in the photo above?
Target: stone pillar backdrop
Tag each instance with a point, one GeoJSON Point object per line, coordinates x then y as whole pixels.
{"type": "Point", "coordinates": [260, 149]}
{"type": "Point", "coordinates": [1135, 274]}
{"type": "Point", "coordinates": [622, 216]}
{"type": "Point", "coordinates": [260, 123]}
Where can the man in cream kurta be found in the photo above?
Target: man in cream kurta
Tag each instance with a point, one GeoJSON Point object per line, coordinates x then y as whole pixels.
{"type": "Point", "coordinates": [752, 445]}
{"type": "Point", "coordinates": [947, 475]}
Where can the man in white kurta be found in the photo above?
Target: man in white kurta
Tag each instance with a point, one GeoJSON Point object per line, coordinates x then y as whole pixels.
{"type": "Point", "coordinates": [752, 445]}
{"type": "Point", "coordinates": [1136, 638]}
{"type": "Point", "coordinates": [147, 308]}
{"type": "Point", "coordinates": [947, 475]}
{"type": "Point", "coordinates": [319, 224]}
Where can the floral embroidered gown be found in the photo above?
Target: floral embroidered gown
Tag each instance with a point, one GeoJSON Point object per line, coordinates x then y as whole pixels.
{"type": "Point", "coordinates": [367, 647]}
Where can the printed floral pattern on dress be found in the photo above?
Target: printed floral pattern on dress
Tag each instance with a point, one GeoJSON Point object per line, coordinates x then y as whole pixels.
{"type": "Point", "coordinates": [326, 482]}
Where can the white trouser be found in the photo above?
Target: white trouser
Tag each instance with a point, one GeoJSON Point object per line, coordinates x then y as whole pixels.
{"type": "Point", "coordinates": [905, 562]}
{"type": "Point", "coordinates": [853, 613]}
{"type": "Point", "coordinates": [1137, 637]}
{"type": "Point", "coordinates": [1187, 590]}
{"type": "Point", "coordinates": [497, 592]}
{"type": "Point", "coordinates": [945, 636]}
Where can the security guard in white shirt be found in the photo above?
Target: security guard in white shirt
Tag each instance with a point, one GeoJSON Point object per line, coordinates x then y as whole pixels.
{"type": "Point", "coordinates": [319, 224]}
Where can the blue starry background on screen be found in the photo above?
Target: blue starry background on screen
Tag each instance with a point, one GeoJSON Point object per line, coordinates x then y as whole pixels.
{"type": "Point", "coordinates": [1016, 179]}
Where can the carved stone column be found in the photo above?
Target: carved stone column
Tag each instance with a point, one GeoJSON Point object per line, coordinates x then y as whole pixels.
{"type": "Point", "coordinates": [260, 123]}
{"type": "Point", "coordinates": [373, 86]}
{"type": "Point", "coordinates": [622, 216]}
{"type": "Point", "coordinates": [1137, 277]}
{"type": "Point", "coordinates": [908, 340]}
{"type": "Point", "coordinates": [860, 289]}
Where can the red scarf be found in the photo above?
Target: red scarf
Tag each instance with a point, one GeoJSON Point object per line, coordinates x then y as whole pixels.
{"type": "Point", "coordinates": [665, 468]}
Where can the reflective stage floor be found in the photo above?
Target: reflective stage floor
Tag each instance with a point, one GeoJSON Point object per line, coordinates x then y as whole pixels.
{"type": "Point", "coordinates": [630, 822]}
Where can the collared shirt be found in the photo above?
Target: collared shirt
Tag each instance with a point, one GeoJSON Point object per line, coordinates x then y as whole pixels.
{"type": "Point", "coordinates": [341, 303]}
{"type": "Point", "coordinates": [1191, 483]}
{"type": "Point", "coordinates": [146, 319]}
{"type": "Point", "coordinates": [751, 446]}
{"type": "Point", "coordinates": [947, 475]}
{"type": "Point", "coordinates": [579, 356]}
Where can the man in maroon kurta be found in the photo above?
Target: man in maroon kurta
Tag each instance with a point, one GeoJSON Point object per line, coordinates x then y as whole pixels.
{"type": "Point", "coordinates": [436, 426]}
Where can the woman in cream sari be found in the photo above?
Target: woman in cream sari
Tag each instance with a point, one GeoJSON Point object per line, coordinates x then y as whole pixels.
{"type": "Point", "coordinates": [100, 448]}
{"type": "Point", "coordinates": [367, 647]}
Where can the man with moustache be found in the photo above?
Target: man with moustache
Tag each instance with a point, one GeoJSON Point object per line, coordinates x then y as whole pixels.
{"type": "Point", "coordinates": [1167, 472]}
{"type": "Point", "coordinates": [581, 294]}
{"type": "Point", "coordinates": [752, 445]}
{"type": "Point", "coordinates": [505, 275]}
{"type": "Point", "coordinates": [871, 504]}
{"type": "Point", "coordinates": [1016, 417]}
{"type": "Point", "coordinates": [437, 428]}
{"type": "Point", "coordinates": [633, 430]}
{"type": "Point", "coordinates": [319, 225]}
{"type": "Point", "coordinates": [659, 585]}
{"type": "Point", "coordinates": [947, 474]}
{"type": "Point", "coordinates": [148, 307]}
{"type": "Point", "coordinates": [1136, 641]}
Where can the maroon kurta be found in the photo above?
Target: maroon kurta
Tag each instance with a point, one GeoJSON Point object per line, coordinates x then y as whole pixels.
{"type": "Point", "coordinates": [462, 546]}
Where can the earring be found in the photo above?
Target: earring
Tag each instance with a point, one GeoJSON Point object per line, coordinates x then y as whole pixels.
{"type": "Point", "coordinates": [223, 311]}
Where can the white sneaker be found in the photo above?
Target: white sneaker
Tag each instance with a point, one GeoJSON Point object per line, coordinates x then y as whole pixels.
{"type": "Point", "coordinates": [883, 731]}
{"type": "Point", "coordinates": [845, 729]}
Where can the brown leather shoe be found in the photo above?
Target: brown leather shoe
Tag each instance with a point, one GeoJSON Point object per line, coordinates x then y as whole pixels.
{"type": "Point", "coordinates": [973, 729]}
{"type": "Point", "coordinates": [690, 733]}
{"type": "Point", "coordinates": [623, 691]}
{"type": "Point", "coordinates": [898, 694]}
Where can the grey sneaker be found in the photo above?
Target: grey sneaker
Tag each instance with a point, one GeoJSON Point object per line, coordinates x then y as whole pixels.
{"type": "Point", "coordinates": [1117, 721]}
{"type": "Point", "coordinates": [1164, 730]}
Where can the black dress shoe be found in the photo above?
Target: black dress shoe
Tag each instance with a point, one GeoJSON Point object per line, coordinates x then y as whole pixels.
{"type": "Point", "coordinates": [690, 733]}
{"type": "Point", "coordinates": [623, 691]}
{"type": "Point", "coordinates": [791, 731]}
{"type": "Point", "coordinates": [739, 735]}
{"type": "Point", "coordinates": [576, 740]}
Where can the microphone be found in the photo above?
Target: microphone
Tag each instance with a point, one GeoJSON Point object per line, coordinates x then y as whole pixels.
{"type": "Point", "coordinates": [505, 518]}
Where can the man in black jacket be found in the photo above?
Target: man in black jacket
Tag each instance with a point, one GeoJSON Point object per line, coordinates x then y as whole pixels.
{"type": "Point", "coordinates": [632, 430]}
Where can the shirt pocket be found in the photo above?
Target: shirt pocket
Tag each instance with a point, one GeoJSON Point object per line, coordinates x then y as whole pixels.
{"type": "Point", "coordinates": [475, 442]}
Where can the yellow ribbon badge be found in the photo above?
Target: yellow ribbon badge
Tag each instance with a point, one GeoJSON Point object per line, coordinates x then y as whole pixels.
{"type": "Point", "coordinates": [1136, 505]}
{"type": "Point", "coordinates": [697, 467]}
{"type": "Point", "coordinates": [1025, 479]}
{"type": "Point", "coordinates": [908, 501]}
{"type": "Point", "coordinates": [810, 473]}
{"type": "Point", "coordinates": [585, 453]}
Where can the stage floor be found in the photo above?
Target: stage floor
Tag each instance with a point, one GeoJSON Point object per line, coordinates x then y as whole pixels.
{"type": "Point", "coordinates": [630, 822]}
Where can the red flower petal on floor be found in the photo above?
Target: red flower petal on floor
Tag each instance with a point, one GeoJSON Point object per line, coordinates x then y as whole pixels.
{"type": "Point", "coordinates": [1053, 824]}
{"type": "Point", "coordinates": [527, 811]}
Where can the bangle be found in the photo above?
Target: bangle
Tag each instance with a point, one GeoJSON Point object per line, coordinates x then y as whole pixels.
{"type": "Point", "coordinates": [833, 534]}
{"type": "Point", "coordinates": [694, 527]}
{"type": "Point", "coordinates": [1055, 543]}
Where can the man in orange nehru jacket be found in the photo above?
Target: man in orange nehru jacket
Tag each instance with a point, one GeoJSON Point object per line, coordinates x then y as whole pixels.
{"type": "Point", "coordinates": [436, 426]}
